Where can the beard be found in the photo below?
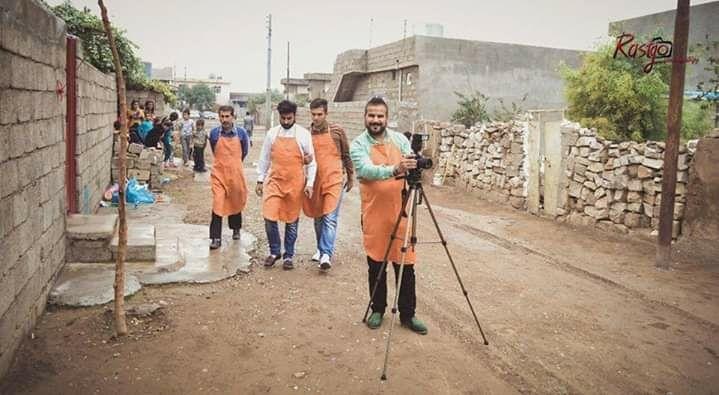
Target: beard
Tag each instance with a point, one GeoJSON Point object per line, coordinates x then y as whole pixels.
{"type": "Point", "coordinates": [375, 129]}
{"type": "Point", "coordinates": [287, 125]}
{"type": "Point", "coordinates": [227, 125]}
{"type": "Point", "coordinates": [319, 127]}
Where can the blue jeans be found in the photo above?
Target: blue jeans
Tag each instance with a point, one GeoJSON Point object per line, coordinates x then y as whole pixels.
{"type": "Point", "coordinates": [273, 237]}
{"type": "Point", "coordinates": [326, 229]}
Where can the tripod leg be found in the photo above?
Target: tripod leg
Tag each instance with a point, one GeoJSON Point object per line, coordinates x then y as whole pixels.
{"type": "Point", "coordinates": [410, 216]}
{"type": "Point", "coordinates": [386, 255]}
{"type": "Point", "coordinates": [454, 267]}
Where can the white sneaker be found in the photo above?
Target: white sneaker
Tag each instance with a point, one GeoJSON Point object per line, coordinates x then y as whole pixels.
{"type": "Point", "coordinates": [325, 262]}
{"type": "Point", "coordinates": [316, 256]}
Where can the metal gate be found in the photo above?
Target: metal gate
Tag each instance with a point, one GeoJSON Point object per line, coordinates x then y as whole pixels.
{"type": "Point", "coordinates": [546, 165]}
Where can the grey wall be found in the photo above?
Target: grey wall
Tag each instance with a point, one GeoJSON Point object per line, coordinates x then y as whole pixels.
{"type": "Point", "coordinates": [32, 164]}
{"type": "Point", "coordinates": [703, 21]}
{"type": "Point", "coordinates": [498, 70]}
{"type": "Point", "coordinates": [33, 157]}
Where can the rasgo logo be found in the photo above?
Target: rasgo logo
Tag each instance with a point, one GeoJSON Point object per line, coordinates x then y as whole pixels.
{"type": "Point", "coordinates": [656, 51]}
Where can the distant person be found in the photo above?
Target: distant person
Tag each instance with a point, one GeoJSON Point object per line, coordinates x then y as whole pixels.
{"type": "Point", "coordinates": [282, 183]}
{"type": "Point", "coordinates": [187, 127]}
{"type": "Point", "coordinates": [150, 110]}
{"type": "Point", "coordinates": [199, 142]}
{"type": "Point", "coordinates": [229, 190]}
{"type": "Point", "coordinates": [167, 127]}
{"type": "Point", "coordinates": [135, 115]}
{"type": "Point", "coordinates": [249, 125]}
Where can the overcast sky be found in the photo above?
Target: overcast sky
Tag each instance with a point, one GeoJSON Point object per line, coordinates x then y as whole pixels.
{"type": "Point", "coordinates": [229, 37]}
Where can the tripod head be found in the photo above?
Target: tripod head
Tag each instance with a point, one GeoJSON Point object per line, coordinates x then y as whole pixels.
{"type": "Point", "coordinates": [414, 176]}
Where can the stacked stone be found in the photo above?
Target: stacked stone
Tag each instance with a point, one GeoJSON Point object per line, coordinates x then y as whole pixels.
{"type": "Point", "coordinates": [486, 159]}
{"type": "Point", "coordinates": [617, 186]}
{"type": "Point", "coordinates": [145, 164]}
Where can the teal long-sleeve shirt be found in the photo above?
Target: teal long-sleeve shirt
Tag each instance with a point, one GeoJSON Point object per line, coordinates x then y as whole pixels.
{"type": "Point", "coordinates": [360, 154]}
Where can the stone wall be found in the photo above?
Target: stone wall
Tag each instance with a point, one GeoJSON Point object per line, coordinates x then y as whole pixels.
{"type": "Point", "coordinates": [618, 185]}
{"type": "Point", "coordinates": [96, 113]}
{"type": "Point", "coordinates": [488, 160]}
{"type": "Point", "coordinates": [614, 186]}
{"type": "Point", "coordinates": [32, 164]}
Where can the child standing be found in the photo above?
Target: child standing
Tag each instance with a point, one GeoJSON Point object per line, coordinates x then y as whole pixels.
{"type": "Point", "coordinates": [167, 140]}
{"type": "Point", "coordinates": [199, 142]}
{"type": "Point", "coordinates": [187, 127]}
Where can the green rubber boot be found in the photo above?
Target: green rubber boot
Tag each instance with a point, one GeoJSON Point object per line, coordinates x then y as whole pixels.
{"type": "Point", "coordinates": [417, 326]}
{"type": "Point", "coordinates": [374, 321]}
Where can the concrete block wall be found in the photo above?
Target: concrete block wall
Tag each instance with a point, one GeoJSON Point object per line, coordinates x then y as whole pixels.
{"type": "Point", "coordinates": [350, 115]}
{"type": "Point", "coordinates": [96, 113]}
{"type": "Point", "coordinates": [32, 160]}
{"type": "Point", "coordinates": [386, 56]}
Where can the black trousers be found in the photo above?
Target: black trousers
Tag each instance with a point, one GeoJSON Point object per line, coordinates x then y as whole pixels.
{"type": "Point", "coordinates": [407, 298]}
{"type": "Point", "coordinates": [198, 155]}
{"type": "Point", "coordinates": [235, 221]}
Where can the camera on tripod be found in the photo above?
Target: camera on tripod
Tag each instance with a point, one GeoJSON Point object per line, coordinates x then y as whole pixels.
{"type": "Point", "coordinates": [417, 143]}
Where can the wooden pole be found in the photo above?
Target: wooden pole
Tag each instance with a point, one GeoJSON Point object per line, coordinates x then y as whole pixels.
{"type": "Point", "coordinates": [120, 324]}
{"type": "Point", "coordinates": [674, 123]}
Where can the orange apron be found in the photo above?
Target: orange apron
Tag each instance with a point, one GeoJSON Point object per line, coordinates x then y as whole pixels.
{"type": "Point", "coordinates": [284, 187]}
{"type": "Point", "coordinates": [328, 183]}
{"type": "Point", "coordinates": [381, 203]}
{"type": "Point", "coordinates": [229, 190]}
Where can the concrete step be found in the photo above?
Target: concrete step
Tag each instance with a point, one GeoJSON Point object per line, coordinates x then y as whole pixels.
{"type": "Point", "coordinates": [141, 243]}
{"type": "Point", "coordinates": [88, 237]}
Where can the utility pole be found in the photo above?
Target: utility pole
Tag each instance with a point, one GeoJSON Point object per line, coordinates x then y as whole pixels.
{"type": "Point", "coordinates": [287, 85]}
{"type": "Point", "coordinates": [674, 122]}
{"type": "Point", "coordinates": [404, 30]}
{"type": "Point", "coordinates": [268, 94]}
{"type": "Point", "coordinates": [371, 26]}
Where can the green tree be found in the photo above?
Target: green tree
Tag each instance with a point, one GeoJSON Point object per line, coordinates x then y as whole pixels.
{"type": "Point", "coordinates": [96, 49]}
{"type": "Point", "coordinates": [258, 100]}
{"type": "Point", "coordinates": [200, 96]}
{"type": "Point", "coordinates": [621, 100]}
{"type": "Point", "coordinates": [472, 109]}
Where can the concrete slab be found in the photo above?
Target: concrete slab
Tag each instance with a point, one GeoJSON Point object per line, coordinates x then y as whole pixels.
{"type": "Point", "coordinates": [184, 256]}
{"type": "Point", "coordinates": [140, 242]}
{"type": "Point", "coordinates": [83, 284]}
{"type": "Point", "coordinates": [90, 227]}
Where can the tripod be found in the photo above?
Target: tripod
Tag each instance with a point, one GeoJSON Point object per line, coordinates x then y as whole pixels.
{"type": "Point", "coordinates": [414, 197]}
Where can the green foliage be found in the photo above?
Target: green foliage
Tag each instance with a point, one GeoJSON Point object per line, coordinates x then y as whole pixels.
{"type": "Point", "coordinates": [506, 113]}
{"type": "Point", "coordinates": [616, 96]}
{"type": "Point", "coordinates": [709, 89]}
{"type": "Point", "coordinates": [258, 100]}
{"type": "Point", "coordinates": [96, 49]}
{"type": "Point", "coordinates": [696, 119]}
{"type": "Point", "coordinates": [472, 109]}
{"type": "Point", "coordinates": [200, 96]}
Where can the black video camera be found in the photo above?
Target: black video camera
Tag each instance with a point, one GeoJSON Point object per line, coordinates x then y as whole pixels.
{"type": "Point", "coordinates": [417, 143]}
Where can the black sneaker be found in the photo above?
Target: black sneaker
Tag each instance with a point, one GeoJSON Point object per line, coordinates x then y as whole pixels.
{"type": "Point", "coordinates": [287, 264]}
{"type": "Point", "coordinates": [215, 244]}
{"type": "Point", "coordinates": [235, 234]}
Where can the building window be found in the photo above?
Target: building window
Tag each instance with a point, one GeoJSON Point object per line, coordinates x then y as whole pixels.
{"type": "Point", "coordinates": [217, 89]}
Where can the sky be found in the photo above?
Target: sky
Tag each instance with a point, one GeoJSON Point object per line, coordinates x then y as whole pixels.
{"type": "Point", "coordinates": [229, 38]}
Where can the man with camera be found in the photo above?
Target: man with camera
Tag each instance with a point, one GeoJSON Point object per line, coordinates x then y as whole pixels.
{"type": "Point", "coordinates": [380, 156]}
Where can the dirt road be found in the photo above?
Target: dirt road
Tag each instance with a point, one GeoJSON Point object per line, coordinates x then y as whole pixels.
{"type": "Point", "coordinates": [565, 311]}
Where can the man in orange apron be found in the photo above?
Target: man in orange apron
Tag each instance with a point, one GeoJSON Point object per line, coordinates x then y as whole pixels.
{"type": "Point", "coordinates": [379, 155]}
{"type": "Point", "coordinates": [229, 190]}
{"type": "Point", "coordinates": [287, 155]}
{"type": "Point", "coordinates": [332, 156]}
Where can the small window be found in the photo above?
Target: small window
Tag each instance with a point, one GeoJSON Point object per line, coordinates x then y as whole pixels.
{"type": "Point", "coordinates": [394, 75]}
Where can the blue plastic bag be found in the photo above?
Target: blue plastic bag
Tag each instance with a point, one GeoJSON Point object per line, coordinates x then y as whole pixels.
{"type": "Point", "coordinates": [135, 193]}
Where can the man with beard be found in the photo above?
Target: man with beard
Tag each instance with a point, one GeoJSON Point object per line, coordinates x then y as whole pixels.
{"type": "Point", "coordinates": [281, 181]}
{"type": "Point", "coordinates": [332, 157]}
{"type": "Point", "coordinates": [229, 190]}
{"type": "Point", "coordinates": [379, 156]}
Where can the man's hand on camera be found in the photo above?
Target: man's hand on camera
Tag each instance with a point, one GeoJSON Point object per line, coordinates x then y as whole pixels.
{"type": "Point", "coordinates": [405, 164]}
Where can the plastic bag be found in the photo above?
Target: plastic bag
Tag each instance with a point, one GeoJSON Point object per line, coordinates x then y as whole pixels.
{"type": "Point", "coordinates": [135, 193]}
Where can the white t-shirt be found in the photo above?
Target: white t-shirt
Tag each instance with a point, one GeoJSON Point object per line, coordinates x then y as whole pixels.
{"type": "Point", "coordinates": [304, 141]}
